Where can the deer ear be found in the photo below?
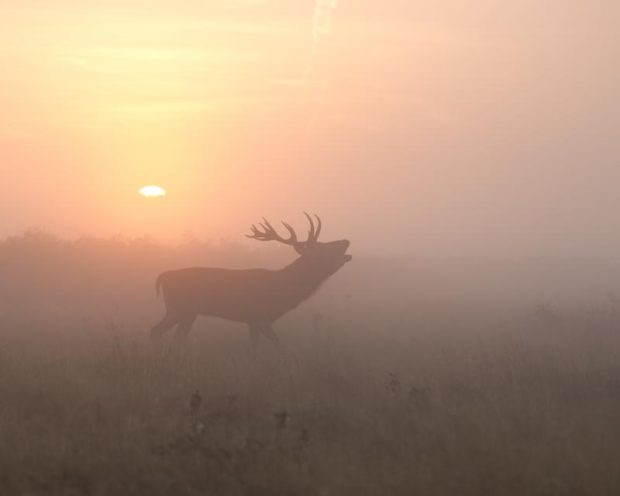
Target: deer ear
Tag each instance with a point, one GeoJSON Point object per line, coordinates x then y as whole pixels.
{"type": "Point", "coordinates": [300, 248]}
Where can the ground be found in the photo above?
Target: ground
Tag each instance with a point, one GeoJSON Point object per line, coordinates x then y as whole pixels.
{"type": "Point", "coordinates": [461, 404]}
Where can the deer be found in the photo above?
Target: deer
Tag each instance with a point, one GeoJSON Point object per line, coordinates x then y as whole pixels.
{"type": "Point", "coordinates": [255, 297]}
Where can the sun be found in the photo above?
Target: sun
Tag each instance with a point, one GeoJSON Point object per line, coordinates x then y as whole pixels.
{"type": "Point", "coordinates": [152, 191]}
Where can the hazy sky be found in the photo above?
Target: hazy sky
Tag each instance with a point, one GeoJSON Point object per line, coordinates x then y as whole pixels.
{"type": "Point", "coordinates": [451, 127]}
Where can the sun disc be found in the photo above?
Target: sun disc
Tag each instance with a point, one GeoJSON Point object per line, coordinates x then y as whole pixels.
{"type": "Point", "coordinates": [152, 191]}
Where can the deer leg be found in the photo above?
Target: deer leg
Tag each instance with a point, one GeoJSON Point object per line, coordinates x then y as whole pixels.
{"type": "Point", "coordinates": [254, 335]}
{"type": "Point", "coordinates": [185, 325]}
{"type": "Point", "coordinates": [164, 325]}
{"type": "Point", "coordinates": [267, 331]}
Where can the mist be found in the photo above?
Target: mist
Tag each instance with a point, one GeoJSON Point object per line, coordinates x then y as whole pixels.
{"type": "Point", "coordinates": [382, 258]}
{"type": "Point", "coordinates": [465, 129]}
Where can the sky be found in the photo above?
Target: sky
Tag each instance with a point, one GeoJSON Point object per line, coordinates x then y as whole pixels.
{"type": "Point", "coordinates": [479, 128]}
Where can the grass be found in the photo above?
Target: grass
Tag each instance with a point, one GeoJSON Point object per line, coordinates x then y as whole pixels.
{"type": "Point", "coordinates": [466, 405]}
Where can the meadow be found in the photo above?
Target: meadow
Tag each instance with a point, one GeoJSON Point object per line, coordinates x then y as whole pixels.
{"type": "Point", "coordinates": [396, 399]}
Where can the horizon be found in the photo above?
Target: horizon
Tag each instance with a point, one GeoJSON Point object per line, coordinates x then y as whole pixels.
{"type": "Point", "coordinates": [270, 249]}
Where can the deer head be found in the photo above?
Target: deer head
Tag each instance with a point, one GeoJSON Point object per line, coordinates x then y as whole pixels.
{"type": "Point", "coordinates": [328, 256]}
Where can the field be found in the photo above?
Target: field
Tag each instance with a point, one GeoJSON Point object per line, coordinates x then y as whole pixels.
{"type": "Point", "coordinates": [467, 404]}
{"type": "Point", "coordinates": [394, 379]}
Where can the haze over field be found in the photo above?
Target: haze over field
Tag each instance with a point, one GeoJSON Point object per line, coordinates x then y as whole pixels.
{"type": "Point", "coordinates": [449, 128]}
{"type": "Point", "coordinates": [448, 323]}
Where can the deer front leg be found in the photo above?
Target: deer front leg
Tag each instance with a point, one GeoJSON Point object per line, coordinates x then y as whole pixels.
{"type": "Point", "coordinates": [267, 331]}
{"type": "Point", "coordinates": [254, 336]}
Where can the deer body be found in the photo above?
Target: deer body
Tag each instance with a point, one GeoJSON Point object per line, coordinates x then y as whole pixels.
{"type": "Point", "coordinates": [256, 297]}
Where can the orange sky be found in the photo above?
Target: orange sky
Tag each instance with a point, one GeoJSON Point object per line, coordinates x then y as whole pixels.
{"type": "Point", "coordinates": [446, 127]}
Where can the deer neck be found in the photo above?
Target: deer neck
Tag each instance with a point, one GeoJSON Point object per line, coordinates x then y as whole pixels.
{"type": "Point", "coordinates": [303, 278]}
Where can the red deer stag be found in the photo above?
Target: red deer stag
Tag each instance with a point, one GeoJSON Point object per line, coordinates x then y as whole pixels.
{"type": "Point", "coordinates": [256, 297]}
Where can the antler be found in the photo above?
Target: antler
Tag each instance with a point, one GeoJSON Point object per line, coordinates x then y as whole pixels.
{"type": "Point", "coordinates": [270, 234]}
{"type": "Point", "coordinates": [315, 232]}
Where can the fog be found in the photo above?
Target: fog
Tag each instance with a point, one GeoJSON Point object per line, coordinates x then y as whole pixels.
{"type": "Point", "coordinates": [451, 329]}
{"type": "Point", "coordinates": [113, 279]}
{"type": "Point", "coordinates": [408, 373]}
{"type": "Point", "coordinates": [460, 129]}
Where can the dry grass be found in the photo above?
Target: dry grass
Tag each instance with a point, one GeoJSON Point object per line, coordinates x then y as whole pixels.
{"type": "Point", "coordinates": [467, 406]}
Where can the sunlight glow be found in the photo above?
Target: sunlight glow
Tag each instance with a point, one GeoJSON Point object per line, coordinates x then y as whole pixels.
{"type": "Point", "coordinates": [152, 191]}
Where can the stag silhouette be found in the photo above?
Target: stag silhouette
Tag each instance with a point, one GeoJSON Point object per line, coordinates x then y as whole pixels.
{"type": "Point", "coordinates": [256, 297]}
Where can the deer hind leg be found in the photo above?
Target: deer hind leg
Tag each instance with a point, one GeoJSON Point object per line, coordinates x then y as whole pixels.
{"type": "Point", "coordinates": [164, 325]}
{"type": "Point", "coordinates": [185, 325]}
